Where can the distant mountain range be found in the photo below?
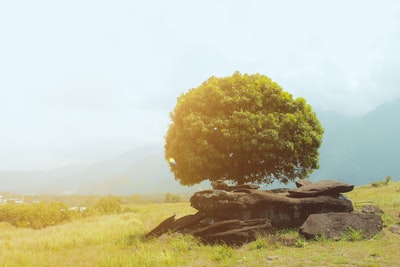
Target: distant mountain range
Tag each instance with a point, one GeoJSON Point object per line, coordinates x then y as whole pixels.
{"type": "Point", "coordinates": [354, 150]}
{"type": "Point", "coordinates": [140, 171]}
{"type": "Point", "coordinates": [361, 150]}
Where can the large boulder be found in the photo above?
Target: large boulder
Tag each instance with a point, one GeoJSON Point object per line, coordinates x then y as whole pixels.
{"type": "Point", "coordinates": [336, 225]}
{"type": "Point", "coordinates": [283, 211]}
{"type": "Point", "coordinates": [321, 188]}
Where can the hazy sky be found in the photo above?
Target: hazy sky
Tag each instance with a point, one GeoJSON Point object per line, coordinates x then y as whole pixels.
{"type": "Point", "coordinates": [82, 81]}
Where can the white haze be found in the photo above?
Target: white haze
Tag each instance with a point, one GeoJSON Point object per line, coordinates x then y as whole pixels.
{"type": "Point", "coordinates": [83, 81]}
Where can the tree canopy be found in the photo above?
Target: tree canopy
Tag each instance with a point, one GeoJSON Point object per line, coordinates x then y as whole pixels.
{"type": "Point", "coordinates": [242, 128]}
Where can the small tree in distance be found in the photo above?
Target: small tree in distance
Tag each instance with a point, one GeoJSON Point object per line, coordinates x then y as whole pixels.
{"type": "Point", "coordinates": [242, 128]}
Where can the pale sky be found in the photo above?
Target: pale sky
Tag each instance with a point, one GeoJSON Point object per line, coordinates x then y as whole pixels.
{"type": "Point", "coordinates": [83, 81]}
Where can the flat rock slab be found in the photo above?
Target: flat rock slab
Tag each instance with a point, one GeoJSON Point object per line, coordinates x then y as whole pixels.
{"type": "Point", "coordinates": [234, 232]}
{"type": "Point", "coordinates": [231, 232]}
{"type": "Point", "coordinates": [283, 211]}
{"type": "Point", "coordinates": [335, 225]}
{"type": "Point", "coordinates": [162, 228]}
{"type": "Point", "coordinates": [221, 185]}
{"type": "Point", "coordinates": [172, 225]}
{"type": "Point", "coordinates": [321, 188]}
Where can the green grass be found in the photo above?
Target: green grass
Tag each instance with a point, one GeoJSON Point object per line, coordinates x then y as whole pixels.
{"type": "Point", "coordinates": [387, 197]}
{"type": "Point", "coordinates": [114, 240]}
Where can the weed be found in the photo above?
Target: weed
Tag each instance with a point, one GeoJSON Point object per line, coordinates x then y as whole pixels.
{"type": "Point", "coordinates": [388, 219]}
{"type": "Point", "coordinates": [321, 239]}
{"type": "Point", "coordinates": [301, 243]}
{"type": "Point", "coordinates": [341, 260]}
{"type": "Point", "coordinates": [222, 253]}
{"type": "Point", "coordinates": [259, 243]}
{"type": "Point", "coordinates": [353, 235]}
{"type": "Point", "coordinates": [183, 243]}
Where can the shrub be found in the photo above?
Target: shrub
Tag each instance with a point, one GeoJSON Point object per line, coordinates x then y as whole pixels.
{"type": "Point", "coordinates": [172, 198]}
{"type": "Point", "coordinates": [353, 235]}
{"type": "Point", "coordinates": [259, 243]}
{"type": "Point", "coordinates": [300, 243]}
{"type": "Point", "coordinates": [109, 204]}
{"type": "Point", "coordinates": [222, 253]}
{"type": "Point", "coordinates": [36, 215]}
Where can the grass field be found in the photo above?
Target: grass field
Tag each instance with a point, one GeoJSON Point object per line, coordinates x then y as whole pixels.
{"type": "Point", "coordinates": [114, 240]}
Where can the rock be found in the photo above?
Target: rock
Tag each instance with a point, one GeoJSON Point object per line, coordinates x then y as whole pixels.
{"type": "Point", "coordinates": [395, 229]}
{"type": "Point", "coordinates": [162, 228]}
{"type": "Point", "coordinates": [221, 185]}
{"type": "Point", "coordinates": [287, 240]}
{"type": "Point", "coordinates": [234, 232]}
{"type": "Point", "coordinates": [239, 214]}
{"type": "Point", "coordinates": [188, 221]}
{"type": "Point", "coordinates": [280, 190]}
{"type": "Point", "coordinates": [321, 188]}
{"type": "Point", "coordinates": [302, 182]}
{"type": "Point", "coordinates": [372, 209]}
{"type": "Point", "coordinates": [243, 186]}
{"type": "Point", "coordinates": [335, 225]}
{"type": "Point", "coordinates": [271, 258]}
{"type": "Point", "coordinates": [283, 211]}
{"type": "Point", "coordinates": [229, 225]}
{"type": "Point", "coordinates": [170, 224]}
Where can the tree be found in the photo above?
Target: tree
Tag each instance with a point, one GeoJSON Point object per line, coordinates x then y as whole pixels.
{"type": "Point", "coordinates": [242, 128]}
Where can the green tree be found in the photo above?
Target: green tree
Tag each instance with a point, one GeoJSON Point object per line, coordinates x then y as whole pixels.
{"type": "Point", "coordinates": [242, 128]}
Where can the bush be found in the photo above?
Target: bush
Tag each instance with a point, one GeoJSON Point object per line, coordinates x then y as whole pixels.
{"type": "Point", "coordinates": [36, 215]}
{"type": "Point", "coordinates": [109, 204]}
{"type": "Point", "coordinates": [171, 198]}
{"type": "Point", "coordinates": [259, 243]}
{"type": "Point", "coordinates": [221, 253]}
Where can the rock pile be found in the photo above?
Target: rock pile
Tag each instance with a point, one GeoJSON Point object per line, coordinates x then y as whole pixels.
{"type": "Point", "coordinates": [238, 214]}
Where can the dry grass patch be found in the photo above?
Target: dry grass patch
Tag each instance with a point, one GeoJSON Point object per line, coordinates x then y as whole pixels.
{"type": "Point", "coordinates": [115, 240]}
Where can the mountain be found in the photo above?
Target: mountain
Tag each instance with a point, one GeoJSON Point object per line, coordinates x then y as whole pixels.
{"type": "Point", "coordinates": [354, 150]}
{"type": "Point", "coordinates": [142, 171]}
{"type": "Point", "coordinates": [361, 150]}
